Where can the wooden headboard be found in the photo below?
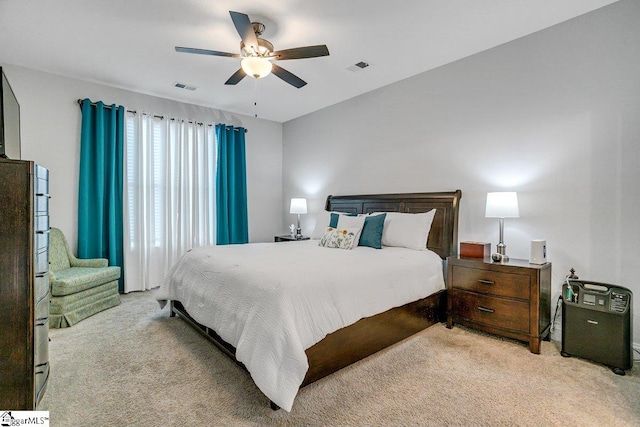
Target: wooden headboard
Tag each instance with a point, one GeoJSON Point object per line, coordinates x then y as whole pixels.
{"type": "Point", "coordinates": [443, 237]}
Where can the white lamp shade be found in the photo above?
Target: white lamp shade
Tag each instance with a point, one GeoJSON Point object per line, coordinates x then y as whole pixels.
{"type": "Point", "coordinates": [298, 206]}
{"type": "Point", "coordinates": [502, 204]}
{"type": "Point", "coordinates": [256, 66]}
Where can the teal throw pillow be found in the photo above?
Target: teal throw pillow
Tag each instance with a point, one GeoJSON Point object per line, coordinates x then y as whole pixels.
{"type": "Point", "coordinates": [371, 235]}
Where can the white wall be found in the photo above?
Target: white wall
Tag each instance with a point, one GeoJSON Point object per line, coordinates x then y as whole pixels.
{"type": "Point", "coordinates": [50, 125]}
{"type": "Point", "coordinates": [554, 116]}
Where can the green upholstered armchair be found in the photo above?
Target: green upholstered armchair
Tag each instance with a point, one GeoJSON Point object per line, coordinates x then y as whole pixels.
{"type": "Point", "coordinates": [79, 287]}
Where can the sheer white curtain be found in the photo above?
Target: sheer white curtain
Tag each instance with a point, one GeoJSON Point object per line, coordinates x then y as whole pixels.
{"type": "Point", "coordinates": [169, 195]}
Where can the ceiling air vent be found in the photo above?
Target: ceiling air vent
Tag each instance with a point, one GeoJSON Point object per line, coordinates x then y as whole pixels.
{"type": "Point", "coordinates": [184, 86]}
{"type": "Point", "coordinates": [359, 66]}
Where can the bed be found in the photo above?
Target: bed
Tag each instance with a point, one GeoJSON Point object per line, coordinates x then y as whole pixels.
{"type": "Point", "coordinates": [257, 311]}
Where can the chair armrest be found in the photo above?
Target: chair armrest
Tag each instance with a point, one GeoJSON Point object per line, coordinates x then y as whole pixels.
{"type": "Point", "coordinates": [89, 262]}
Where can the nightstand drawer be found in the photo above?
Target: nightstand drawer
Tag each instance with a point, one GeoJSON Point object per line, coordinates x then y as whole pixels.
{"type": "Point", "coordinates": [497, 312]}
{"type": "Point", "coordinates": [491, 282]}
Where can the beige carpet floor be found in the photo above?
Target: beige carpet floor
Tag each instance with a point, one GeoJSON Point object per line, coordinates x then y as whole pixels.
{"type": "Point", "coordinates": [134, 365]}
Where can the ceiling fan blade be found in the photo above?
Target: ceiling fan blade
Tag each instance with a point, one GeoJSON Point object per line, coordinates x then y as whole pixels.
{"type": "Point", "coordinates": [236, 77]}
{"type": "Point", "coordinates": [301, 52]}
{"type": "Point", "coordinates": [206, 52]}
{"type": "Point", "coordinates": [288, 77]}
{"type": "Point", "coordinates": [245, 29]}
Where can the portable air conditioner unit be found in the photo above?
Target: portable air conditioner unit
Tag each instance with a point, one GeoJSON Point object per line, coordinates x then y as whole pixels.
{"type": "Point", "coordinates": [596, 323]}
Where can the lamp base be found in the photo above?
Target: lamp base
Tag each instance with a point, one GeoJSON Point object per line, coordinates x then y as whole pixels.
{"type": "Point", "coordinates": [298, 229]}
{"type": "Point", "coordinates": [501, 255]}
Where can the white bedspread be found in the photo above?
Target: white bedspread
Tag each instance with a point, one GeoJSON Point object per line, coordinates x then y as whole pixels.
{"type": "Point", "coordinates": [272, 301]}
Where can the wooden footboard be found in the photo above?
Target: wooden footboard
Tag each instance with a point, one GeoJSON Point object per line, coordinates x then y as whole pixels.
{"type": "Point", "coordinates": [351, 343]}
{"type": "Point", "coordinates": [372, 334]}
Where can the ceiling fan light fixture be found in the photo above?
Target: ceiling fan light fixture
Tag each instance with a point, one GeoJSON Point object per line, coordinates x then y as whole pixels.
{"type": "Point", "coordinates": [256, 66]}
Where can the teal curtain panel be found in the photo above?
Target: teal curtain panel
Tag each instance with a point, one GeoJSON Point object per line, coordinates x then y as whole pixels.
{"type": "Point", "coordinates": [100, 209]}
{"type": "Point", "coordinates": [232, 225]}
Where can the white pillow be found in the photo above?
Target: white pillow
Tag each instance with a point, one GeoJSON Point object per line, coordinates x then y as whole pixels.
{"type": "Point", "coordinates": [322, 222]}
{"type": "Point", "coordinates": [346, 221]}
{"type": "Point", "coordinates": [407, 230]}
{"type": "Point", "coordinates": [340, 238]}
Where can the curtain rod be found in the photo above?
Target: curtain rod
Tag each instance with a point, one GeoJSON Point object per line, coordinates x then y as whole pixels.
{"type": "Point", "coordinates": [109, 107]}
{"type": "Point", "coordinates": [159, 117]}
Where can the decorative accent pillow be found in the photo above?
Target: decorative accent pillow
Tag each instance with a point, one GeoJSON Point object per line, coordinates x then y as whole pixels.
{"type": "Point", "coordinates": [348, 221]}
{"type": "Point", "coordinates": [339, 238]}
{"type": "Point", "coordinates": [407, 230]}
{"type": "Point", "coordinates": [371, 234]}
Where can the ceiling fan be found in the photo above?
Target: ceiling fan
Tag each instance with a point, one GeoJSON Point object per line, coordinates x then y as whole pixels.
{"type": "Point", "coordinates": [257, 54]}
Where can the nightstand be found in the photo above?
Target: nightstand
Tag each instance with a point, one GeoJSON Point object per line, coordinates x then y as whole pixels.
{"type": "Point", "coordinates": [511, 299]}
{"type": "Point", "coordinates": [288, 238]}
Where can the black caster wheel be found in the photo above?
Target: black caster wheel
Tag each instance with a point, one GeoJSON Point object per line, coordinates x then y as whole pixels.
{"type": "Point", "coordinates": [618, 371]}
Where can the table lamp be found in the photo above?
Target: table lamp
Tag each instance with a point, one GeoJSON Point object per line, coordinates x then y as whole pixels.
{"type": "Point", "coordinates": [502, 205]}
{"type": "Point", "coordinates": [298, 206]}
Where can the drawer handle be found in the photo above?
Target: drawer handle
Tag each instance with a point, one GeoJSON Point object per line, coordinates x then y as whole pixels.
{"type": "Point", "coordinates": [42, 274]}
{"type": "Point", "coordinates": [42, 232]}
{"type": "Point", "coordinates": [44, 321]}
{"type": "Point", "coordinates": [486, 282]}
{"type": "Point", "coordinates": [486, 310]}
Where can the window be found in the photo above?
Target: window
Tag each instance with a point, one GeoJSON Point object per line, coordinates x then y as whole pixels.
{"type": "Point", "coordinates": [169, 194]}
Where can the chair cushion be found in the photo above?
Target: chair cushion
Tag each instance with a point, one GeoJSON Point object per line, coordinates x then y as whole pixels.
{"type": "Point", "coordinates": [76, 279]}
{"type": "Point", "coordinates": [89, 262]}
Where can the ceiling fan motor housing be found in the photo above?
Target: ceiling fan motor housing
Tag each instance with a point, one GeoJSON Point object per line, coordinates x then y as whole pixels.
{"type": "Point", "coordinates": [264, 48]}
{"type": "Point", "coordinates": [258, 28]}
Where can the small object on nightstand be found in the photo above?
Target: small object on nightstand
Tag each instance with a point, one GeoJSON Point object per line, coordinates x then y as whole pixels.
{"type": "Point", "coordinates": [292, 229]}
{"type": "Point", "coordinates": [288, 238]}
{"type": "Point", "coordinates": [475, 249]}
{"type": "Point", "coordinates": [538, 253]}
{"type": "Point", "coordinates": [499, 257]}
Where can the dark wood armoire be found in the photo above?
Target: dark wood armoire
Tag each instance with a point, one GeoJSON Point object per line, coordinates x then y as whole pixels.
{"type": "Point", "coordinates": [24, 284]}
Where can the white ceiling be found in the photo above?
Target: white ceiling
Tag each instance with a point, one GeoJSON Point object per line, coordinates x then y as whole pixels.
{"type": "Point", "coordinates": [130, 44]}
